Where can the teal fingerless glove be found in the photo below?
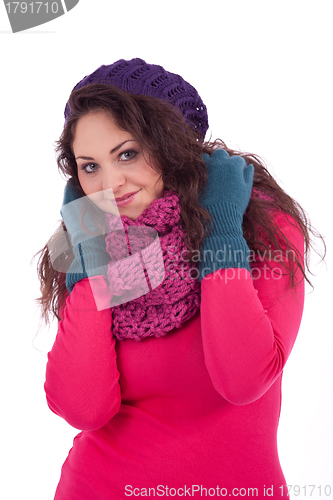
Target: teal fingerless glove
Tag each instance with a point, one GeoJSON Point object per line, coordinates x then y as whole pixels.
{"type": "Point", "coordinates": [90, 256]}
{"type": "Point", "coordinates": [226, 198]}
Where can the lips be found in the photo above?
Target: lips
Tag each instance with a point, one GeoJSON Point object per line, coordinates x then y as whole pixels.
{"type": "Point", "coordinates": [125, 200]}
{"type": "Point", "coordinates": [125, 196]}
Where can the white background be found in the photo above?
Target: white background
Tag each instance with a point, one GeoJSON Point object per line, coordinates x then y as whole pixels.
{"type": "Point", "coordinates": [264, 70]}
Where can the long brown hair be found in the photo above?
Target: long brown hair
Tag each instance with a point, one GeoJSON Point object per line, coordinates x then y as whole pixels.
{"type": "Point", "coordinates": [175, 146]}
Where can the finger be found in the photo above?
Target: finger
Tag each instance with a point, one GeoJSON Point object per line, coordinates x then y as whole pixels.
{"type": "Point", "coordinates": [248, 174]}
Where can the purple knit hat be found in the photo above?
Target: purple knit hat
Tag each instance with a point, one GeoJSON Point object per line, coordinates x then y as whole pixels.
{"type": "Point", "coordinates": [138, 77]}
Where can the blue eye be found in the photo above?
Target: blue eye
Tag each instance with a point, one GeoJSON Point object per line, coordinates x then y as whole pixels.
{"type": "Point", "coordinates": [88, 168]}
{"type": "Point", "coordinates": [127, 155]}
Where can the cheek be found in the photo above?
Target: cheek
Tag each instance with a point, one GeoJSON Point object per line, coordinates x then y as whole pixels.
{"type": "Point", "coordinates": [88, 183]}
{"type": "Point", "coordinates": [81, 180]}
{"type": "Point", "coordinates": [153, 179]}
{"type": "Point", "coordinates": [159, 182]}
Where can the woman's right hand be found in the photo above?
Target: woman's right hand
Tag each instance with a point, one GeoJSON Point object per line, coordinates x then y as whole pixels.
{"type": "Point", "coordinates": [81, 218]}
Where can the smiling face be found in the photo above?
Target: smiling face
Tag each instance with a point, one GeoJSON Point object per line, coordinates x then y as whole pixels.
{"type": "Point", "coordinates": [111, 160]}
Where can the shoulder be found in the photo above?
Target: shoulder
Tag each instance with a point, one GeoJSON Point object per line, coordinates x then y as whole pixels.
{"type": "Point", "coordinates": [283, 222]}
{"type": "Point", "coordinates": [282, 254]}
{"type": "Point", "coordinates": [287, 226]}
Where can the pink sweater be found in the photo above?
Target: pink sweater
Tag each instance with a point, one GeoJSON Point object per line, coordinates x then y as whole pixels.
{"type": "Point", "coordinates": [191, 414]}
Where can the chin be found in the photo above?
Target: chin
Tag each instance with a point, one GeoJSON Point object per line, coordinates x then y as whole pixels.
{"type": "Point", "coordinates": [131, 214]}
{"type": "Point", "coordinates": [135, 212]}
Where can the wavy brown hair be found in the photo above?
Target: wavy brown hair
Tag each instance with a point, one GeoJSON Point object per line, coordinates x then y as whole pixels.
{"type": "Point", "coordinates": [178, 150]}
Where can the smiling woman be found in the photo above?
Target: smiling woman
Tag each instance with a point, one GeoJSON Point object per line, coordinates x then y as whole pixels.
{"type": "Point", "coordinates": [176, 380]}
{"type": "Point", "coordinates": [117, 165]}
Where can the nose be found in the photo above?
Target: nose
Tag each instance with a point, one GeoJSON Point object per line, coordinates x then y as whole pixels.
{"type": "Point", "coordinates": [113, 179]}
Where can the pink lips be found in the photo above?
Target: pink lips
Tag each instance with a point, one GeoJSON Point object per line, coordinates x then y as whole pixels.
{"type": "Point", "coordinates": [125, 200]}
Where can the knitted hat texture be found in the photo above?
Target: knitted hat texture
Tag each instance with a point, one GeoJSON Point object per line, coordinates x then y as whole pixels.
{"type": "Point", "coordinates": [138, 77]}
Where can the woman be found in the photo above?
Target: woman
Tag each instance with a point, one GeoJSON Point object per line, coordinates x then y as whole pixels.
{"type": "Point", "coordinates": [172, 373]}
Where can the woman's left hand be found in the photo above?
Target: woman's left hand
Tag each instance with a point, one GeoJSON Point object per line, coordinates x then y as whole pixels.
{"type": "Point", "coordinates": [226, 198]}
{"type": "Point", "coordinates": [229, 180]}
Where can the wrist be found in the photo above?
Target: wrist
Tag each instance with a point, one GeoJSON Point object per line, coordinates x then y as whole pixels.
{"type": "Point", "coordinates": [227, 219]}
{"type": "Point", "coordinates": [225, 246]}
{"type": "Point", "coordinates": [89, 260]}
{"type": "Point", "coordinates": [223, 253]}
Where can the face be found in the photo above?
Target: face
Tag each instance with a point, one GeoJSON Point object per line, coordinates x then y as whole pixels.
{"type": "Point", "coordinates": [111, 163]}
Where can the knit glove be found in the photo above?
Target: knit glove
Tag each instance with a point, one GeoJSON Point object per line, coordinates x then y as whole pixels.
{"type": "Point", "coordinates": [226, 198]}
{"type": "Point", "coordinates": [90, 256]}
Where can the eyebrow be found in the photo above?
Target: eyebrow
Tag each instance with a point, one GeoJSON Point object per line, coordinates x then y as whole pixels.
{"type": "Point", "coordinates": [112, 150]}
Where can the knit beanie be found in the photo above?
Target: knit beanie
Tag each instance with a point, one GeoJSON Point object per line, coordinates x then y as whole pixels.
{"type": "Point", "coordinates": [138, 77]}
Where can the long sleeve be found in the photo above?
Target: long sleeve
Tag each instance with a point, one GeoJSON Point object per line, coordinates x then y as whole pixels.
{"type": "Point", "coordinates": [250, 323]}
{"type": "Point", "coordinates": [82, 379]}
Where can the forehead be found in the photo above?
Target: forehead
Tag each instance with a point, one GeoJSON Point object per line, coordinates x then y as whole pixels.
{"type": "Point", "coordinates": [97, 128]}
{"type": "Point", "coordinates": [95, 119]}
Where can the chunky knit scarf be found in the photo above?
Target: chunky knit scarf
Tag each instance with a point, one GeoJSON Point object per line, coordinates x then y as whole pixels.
{"type": "Point", "coordinates": [155, 289]}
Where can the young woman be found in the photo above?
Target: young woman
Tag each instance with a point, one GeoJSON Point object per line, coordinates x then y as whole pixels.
{"type": "Point", "coordinates": [171, 372]}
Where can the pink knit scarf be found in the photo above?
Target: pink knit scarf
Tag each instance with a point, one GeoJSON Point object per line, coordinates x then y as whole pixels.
{"type": "Point", "coordinates": [151, 298]}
